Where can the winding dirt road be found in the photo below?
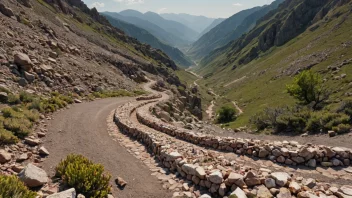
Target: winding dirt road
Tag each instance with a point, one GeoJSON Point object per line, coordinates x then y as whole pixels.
{"type": "Point", "coordinates": [82, 129]}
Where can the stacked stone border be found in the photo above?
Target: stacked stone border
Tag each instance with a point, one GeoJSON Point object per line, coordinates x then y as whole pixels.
{"type": "Point", "coordinates": [149, 97]}
{"type": "Point", "coordinates": [289, 153]}
{"type": "Point", "coordinates": [218, 182]}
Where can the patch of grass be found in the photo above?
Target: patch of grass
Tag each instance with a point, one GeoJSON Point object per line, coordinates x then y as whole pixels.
{"type": "Point", "coordinates": [85, 176]}
{"type": "Point", "coordinates": [12, 187]}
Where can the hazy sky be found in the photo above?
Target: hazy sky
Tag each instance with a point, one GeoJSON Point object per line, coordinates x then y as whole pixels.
{"type": "Point", "coordinates": [210, 8]}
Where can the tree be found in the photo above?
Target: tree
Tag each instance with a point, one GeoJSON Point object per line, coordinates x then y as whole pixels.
{"type": "Point", "coordinates": [308, 88]}
{"type": "Point", "coordinates": [226, 114]}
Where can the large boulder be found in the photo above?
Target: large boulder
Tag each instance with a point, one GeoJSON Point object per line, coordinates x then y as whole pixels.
{"type": "Point", "coordinates": [23, 61]}
{"type": "Point", "coordinates": [4, 156]}
{"type": "Point", "coordinates": [70, 193]}
{"type": "Point", "coordinates": [33, 176]}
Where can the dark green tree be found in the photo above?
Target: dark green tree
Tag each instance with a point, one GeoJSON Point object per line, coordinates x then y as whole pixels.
{"type": "Point", "coordinates": [226, 114]}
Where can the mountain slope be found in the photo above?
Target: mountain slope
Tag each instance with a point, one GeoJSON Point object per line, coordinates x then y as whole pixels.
{"type": "Point", "coordinates": [155, 30]}
{"type": "Point", "coordinates": [299, 35]}
{"type": "Point", "coordinates": [197, 23]}
{"type": "Point", "coordinates": [215, 23]}
{"type": "Point", "coordinates": [145, 37]}
{"type": "Point", "coordinates": [205, 44]}
{"type": "Point", "coordinates": [172, 27]}
{"type": "Point", "coordinates": [248, 23]}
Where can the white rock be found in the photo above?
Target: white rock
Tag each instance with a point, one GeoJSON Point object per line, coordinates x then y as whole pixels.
{"type": "Point", "coordinates": [33, 176]}
{"type": "Point", "coordinates": [216, 177]}
{"type": "Point", "coordinates": [43, 151]}
{"type": "Point", "coordinates": [238, 193]}
{"type": "Point", "coordinates": [281, 178]}
{"type": "Point", "coordinates": [70, 193]}
{"type": "Point", "coordinates": [270, 183]}
{"type": "Point", "coordinates": [347, 190]}
{"type": "Point", "coordinates": [4, 156]}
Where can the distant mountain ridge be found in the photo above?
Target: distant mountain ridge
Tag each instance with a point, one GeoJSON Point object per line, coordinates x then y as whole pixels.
{"type": "Point", "coordinates": [157, 31]}
{"type": "Point", "coordinates": [215, 23]}
{"type": "Point", "coordinates": [172, 27]}
{"type": "Point", "coordinates": [144, 36]}
{"type": "Point", "coordinates": [197, 23]}
{"type": "Point", "coordinates": [207, 42]}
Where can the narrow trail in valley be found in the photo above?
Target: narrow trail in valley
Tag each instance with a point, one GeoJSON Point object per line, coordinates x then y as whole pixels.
{"type": "Point", "coordinates": [240, 111]}
{"type": "Point", "coordinates": [235, 81]}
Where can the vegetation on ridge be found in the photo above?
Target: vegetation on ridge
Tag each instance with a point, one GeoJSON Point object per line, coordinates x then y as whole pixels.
{"type": "Point", "coordinates": [324, 47]}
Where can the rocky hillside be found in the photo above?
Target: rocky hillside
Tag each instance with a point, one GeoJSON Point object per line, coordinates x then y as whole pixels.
{"type": "Point", "coordinates": [145, 37]}
{"type": "Point", "coordinates": [247, 24]}
{"type": "Point", "coordinates": [205, 44]}
{"type": "Point", "coordinates": [64, 46]}
{"type": "Point", "coordinates": [299, 35]}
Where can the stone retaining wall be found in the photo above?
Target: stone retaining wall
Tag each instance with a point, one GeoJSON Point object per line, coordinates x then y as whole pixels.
{"type": "Point", "coordinates": [149, 97]}
{"type": "Point", "coordinates": [289, 153]}
{"type": "Point", "coordinates": [220, 182]}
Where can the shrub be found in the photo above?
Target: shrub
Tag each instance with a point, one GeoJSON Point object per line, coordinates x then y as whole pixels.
{"type": "Point", "coordinates": [26, 97]}
{"type": "Point", "coordinates": [86, 177]}
{"type": "Point", "coordinates": [21, 127]}
{"type": "Point", "coordinates": [342, 128]}
{"type": "Point", "coordinates": [13, 99]}
{"type": "Point", "coordinates": [346, 107]}
{"type": "Point", "coordinates": [267, 118]}
{"type": "Point", "coordinates": [226, 114]}
{"type": "Point", "coordinates": [6, 137]}
{"type": "Point", "coordinates": [12, 187]}
{"type": "Point", "coordinates": [324, 121]}
{"type": "Point", "coordinates": [308, 88]}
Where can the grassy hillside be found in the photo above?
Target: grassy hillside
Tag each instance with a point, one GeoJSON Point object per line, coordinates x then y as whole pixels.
{"type": "Point", "coordinates": [254, 72]}
{"type": "Point", "coordinates": [145, 37]}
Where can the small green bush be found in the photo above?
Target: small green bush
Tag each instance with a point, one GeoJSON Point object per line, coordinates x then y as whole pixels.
{"type": "Point", "coordinates": [26, 97]}
{"type": "Point", "coordinates": [12, 187]}
{"type": "Point", "coordinates": [346, 108]}
{"type": "Point", "coordinates": [226, 114]}
{"type": "Point", "coordinates": [342, 128]}
{"type": "Point", "coordinates": [86, 177]}
{"type": "Point", "coordinates": [268, 118]}
{"type": "Point", "coordinates": [7, 137]}
{"type": "Point", "coordinates": [21, 127]}
{"type": "Point", "coordinates": [13, 99]}
{"type": "Point", "coordinates": [324, 121]}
